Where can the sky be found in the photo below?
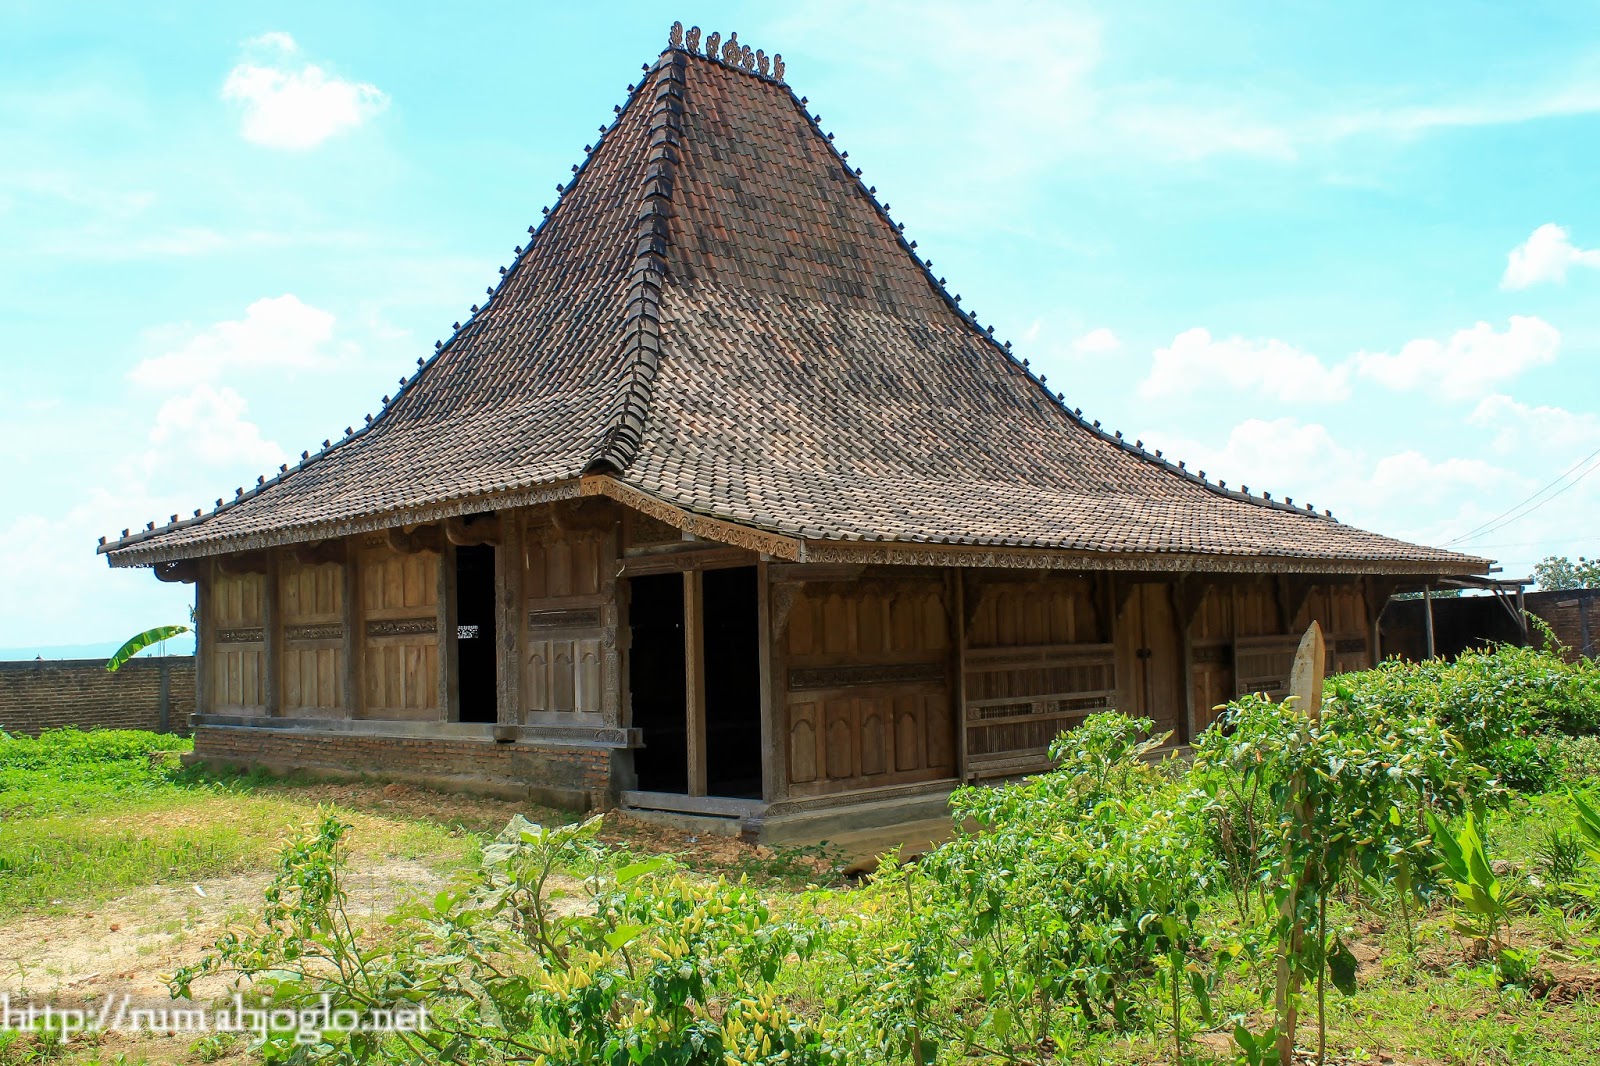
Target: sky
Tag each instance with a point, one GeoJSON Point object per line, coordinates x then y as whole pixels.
{"type": "Point", "coordinates": [1345, 252]}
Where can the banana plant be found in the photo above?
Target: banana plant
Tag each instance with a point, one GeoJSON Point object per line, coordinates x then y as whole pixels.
{"type": "Point", "coordinates": [1588, 822]}
{"type": "Point", "coordinates": [139, 643]}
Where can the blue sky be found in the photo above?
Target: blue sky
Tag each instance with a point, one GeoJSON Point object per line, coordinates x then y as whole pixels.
{"type": "Point", "coordinates": [1346, 252]}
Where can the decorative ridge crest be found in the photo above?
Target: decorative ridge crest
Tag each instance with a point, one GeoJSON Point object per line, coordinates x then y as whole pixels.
{"type": "Point", "coordinates": [729, 53]}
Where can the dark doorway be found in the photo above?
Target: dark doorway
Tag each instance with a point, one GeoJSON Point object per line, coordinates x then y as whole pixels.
{"type": "Point", "coordinates": [476, 679]}
{"type": "Point", "coordinates": [733, 683]}
{"type": "Point", "coordinates": [656, 681]}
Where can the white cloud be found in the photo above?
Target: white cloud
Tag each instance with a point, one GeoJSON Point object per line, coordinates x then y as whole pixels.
{"type": "Point", "coordinates": [1195, 360]}
{"type": "Point", "coordinates": [206, 426]}
{"type": "Point", "coordinates": [1469, 363]}
{"type": "Point", "coordinates": [288, 103]}
{"type": "Point", "coordinates": [1095, 342]}
{"type": "Point", "coordinates": [1545, 256]}
{"type": "Point", "coordinates": [1416, 480]}
{"type": "Point", "coordinates": [1518, 425]}
{"type": "Point", "coordinates": [279, 333]}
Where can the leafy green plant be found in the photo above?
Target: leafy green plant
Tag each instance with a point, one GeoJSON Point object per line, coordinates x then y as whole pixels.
{"type": "Point", "coordinates": [139, 642]}
{"type": "Point", "coordinates": [638, 965]}
{"type": "Point", "coordinates": [1463, 861]}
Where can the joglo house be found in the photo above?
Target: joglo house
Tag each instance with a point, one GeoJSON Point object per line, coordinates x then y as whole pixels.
{"type": "Point", "coordinates": [721, 504]}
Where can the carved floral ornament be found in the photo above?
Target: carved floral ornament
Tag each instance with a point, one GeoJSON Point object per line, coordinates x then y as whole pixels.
{"type": "Point", "coordinates": [730, 53]}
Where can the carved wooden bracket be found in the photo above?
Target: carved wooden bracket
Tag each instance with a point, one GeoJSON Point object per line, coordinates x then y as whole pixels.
{"type": "Point", "coordinates": [184, 570]}
{"type": "Point", "coordinates": [243, 563]}
{"type": "Point", "coordinates": [784, 594]}
{"type": "Point", "coordinates": [421, 539]}
{"type": "Point", "coordinates": [1188, 593]}
{"type": "Point", "coordinates": [1295, 591]}
{"type": "Point", "coordinates": [470, 530]}
{"type": "Point", "coordinates": [317, 552]}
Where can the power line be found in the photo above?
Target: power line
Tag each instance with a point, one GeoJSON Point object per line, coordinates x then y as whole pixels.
{"type": "Point", "coordinates": [1506, 517]}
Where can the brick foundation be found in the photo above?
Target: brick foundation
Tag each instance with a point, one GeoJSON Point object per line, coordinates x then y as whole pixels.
{"type": "Point", "coordinates": [154, 693]}
{"type": "Point", "coordinates": [574, 776]}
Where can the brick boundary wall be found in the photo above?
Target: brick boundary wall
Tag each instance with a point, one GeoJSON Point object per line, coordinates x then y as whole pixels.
{"type": "Point", "coordinates": [154, 693]}
{"type": "Point", "coordinates": [575, 777]}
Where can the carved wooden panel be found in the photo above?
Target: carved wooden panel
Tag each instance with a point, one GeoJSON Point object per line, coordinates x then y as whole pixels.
{"type": "Point", "coordinates": [1019, 699]}
{"type": "Point", "coordinates": [400, 602]}
{"type": "Point", "coordinates": [866, 669]}
{"type": "Point", "coordinates": [238, 666]}
{"type": "Point", "coordinates": [311, 599]}
{"type": "Point", "coordinates": [564, 675]}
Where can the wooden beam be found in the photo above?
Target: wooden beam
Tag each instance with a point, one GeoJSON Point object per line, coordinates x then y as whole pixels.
{"type": "Point", "coordinates": [351, 646]}
{"type": "Point", "coordinates": [1427, 618]}
{"type": "Point", "coordinates": [509, 617]}
{"type": "Point", "coordinates": [272, 635]}
{"type": "Point", "coordinates": [205, 638]}
{"type": "Point", "coordinates": [449, 659]}
{"type": "Point", "coordinates": [1187, 595]}
{"type": "Point", "coordinates": [774, 778]}
{"type": "Point", "coordinates": [694, 678]}
{"type": "Point", "coordinates": [317, 552]}
{"type": "Point", "coordinates": [957, 588]}
{"type": "Point", "coordinates": [690, 557]}
{"type": "Point", "coordinates": [242, 563]}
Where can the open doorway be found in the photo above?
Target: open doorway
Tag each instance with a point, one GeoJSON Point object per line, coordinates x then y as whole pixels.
{"type": "Point", "coordinates": [476, 677]}
{"type": "Point", "coordinates": [656, 682]}
{"type": "Point", "coordinates": [732, 683]}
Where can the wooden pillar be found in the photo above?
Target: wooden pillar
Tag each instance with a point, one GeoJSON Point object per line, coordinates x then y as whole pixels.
{"type": "Point", "coordinates": [1427, 616]}
{"type": "Point", "coordinates": [958, 594]}
{"type": "Point", "coordinates": [508, 605]}
{"type": "Point", "coordinates": [272, 634]}
{"type": "Point", "coordinates": [449, 681]}
{"type": "Point", "coordinates": [694, 680]}
{"type": "Point", "coordinates": [774, 762]}
{"type": "Point", "coordinates": [352, 623]}
{"type": "Point", "coordinates": [204, 637]}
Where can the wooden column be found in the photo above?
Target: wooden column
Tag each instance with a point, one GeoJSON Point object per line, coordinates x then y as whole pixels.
{"type": "Point", "coordinates": [449, 679]}
{"type": "Point", "coordinates": [272, 634]}
{"type": "Point", "coordinates": [958, 595]}
{"type": "Point", "coordinates": [508, 606]}
{"type": "Point", "coordinates": [205, 637]}
{"type": "Point", "coordinates": [774, 764]}
{"type": "Point", "coordinates": [694, 680]}
{"type": "Point", "coordinates": [351, 622]}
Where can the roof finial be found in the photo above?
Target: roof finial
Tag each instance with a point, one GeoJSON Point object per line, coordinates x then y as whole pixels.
{"type": "Point", "coordinates": [777, 65]}
{"type": "Point", "coordinates": [730, 51]}
{"type": "Point", "coordinates": [693, 40]}
{"type": "Point", "coordinates": [675, 37]}
{"type": "Point", "coordinates": [711, 44]}
{"type": "Point", "coordinates": [761, 62]}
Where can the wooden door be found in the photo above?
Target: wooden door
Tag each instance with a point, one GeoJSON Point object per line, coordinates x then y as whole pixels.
{"type": "Point", "coordinates": [1150, 659]}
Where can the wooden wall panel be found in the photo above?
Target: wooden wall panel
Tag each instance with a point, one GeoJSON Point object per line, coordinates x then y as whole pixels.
{"type": "Point", "coordinates": [866, 680]}
{"type": "Point", "coordinates": [400, 658]}
{"type": "Point", "coordinates": [237, 672]}
{"type": "Point", "coordinates": [571, 664]}
{"type": "Point", "coordinates": [1341, 608]}
{"type": "Point", "coordinates": [1037, 662]}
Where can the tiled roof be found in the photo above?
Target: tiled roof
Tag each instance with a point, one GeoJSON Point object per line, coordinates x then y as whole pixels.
{"type": "Point", "coordinates": [718, 313]}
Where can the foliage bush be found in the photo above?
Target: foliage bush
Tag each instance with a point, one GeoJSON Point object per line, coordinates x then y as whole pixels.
{"type": "Point", "coordinates": [66, 769]}
{"type": "Point", "coordinates": [1506, 705]}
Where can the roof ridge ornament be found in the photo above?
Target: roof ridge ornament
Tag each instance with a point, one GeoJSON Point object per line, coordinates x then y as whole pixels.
{"type": "Point", "coordinates": [730, 53]}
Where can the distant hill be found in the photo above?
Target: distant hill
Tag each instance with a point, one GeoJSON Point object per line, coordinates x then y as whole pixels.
{"type": "Point", "coordinates": [182, 645]}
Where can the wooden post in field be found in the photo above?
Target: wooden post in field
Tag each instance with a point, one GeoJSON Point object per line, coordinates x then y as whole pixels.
{"type": "Point", "coordinates": [1305, 687]}
{"type": "Point", "coordinates": [1427, 616]}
